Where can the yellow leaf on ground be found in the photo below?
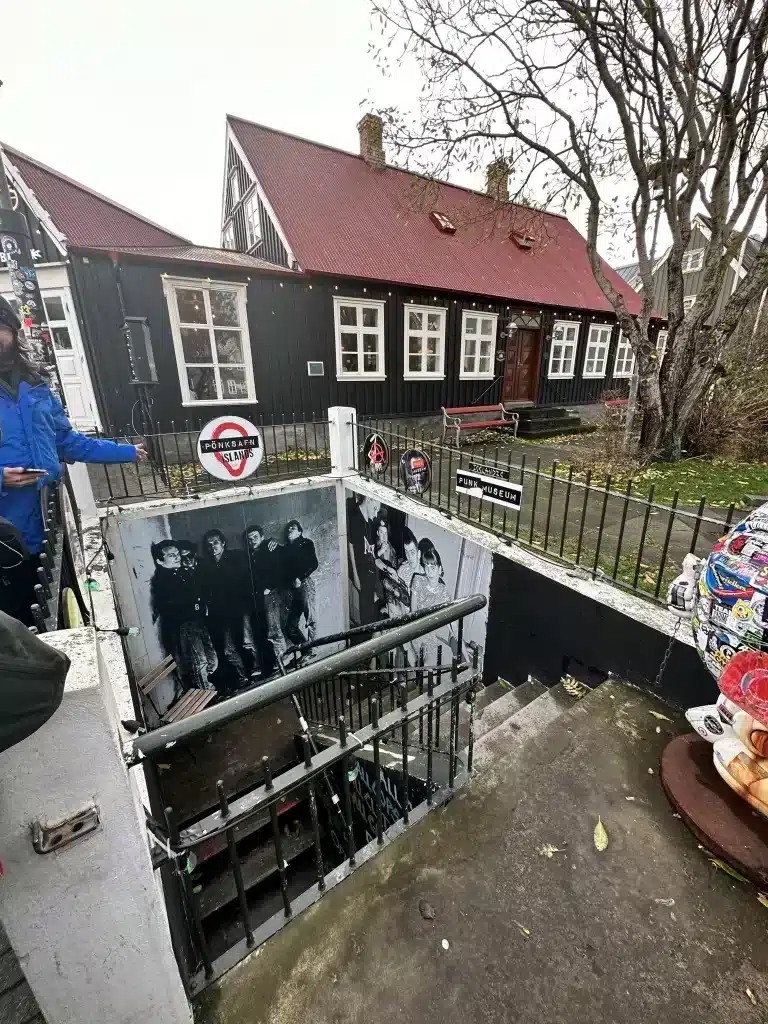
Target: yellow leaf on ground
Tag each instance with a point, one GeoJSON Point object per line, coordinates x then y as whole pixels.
{"type": "Point", "coordinates": [601, 836]}
{"type": "Point", "coordinates": [727, 869]}
{"type": "Point", "coordinates": [658, 714]}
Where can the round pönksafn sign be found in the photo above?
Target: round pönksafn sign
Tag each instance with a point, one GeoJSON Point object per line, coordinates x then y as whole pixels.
{"type": "Point", "coordinates": [230, 448]}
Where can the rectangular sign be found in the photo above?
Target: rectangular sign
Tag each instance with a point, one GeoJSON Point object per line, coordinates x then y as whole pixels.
{"type": "Point", "coordinates": [487, 488]}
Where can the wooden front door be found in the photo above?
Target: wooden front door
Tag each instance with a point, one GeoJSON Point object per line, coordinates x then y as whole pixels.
{"type": "Point", "coordinates": [521, 370]}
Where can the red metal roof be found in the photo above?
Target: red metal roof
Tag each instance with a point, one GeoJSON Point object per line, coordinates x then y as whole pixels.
{"type": "Point", "coordinates": [82, 215]}
{"type": "Point", "coordinates": [344, 218]}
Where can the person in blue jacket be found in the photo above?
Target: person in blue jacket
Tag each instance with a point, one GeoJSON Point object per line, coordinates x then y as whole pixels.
{"type": "Point", "coordinates": [35, 438]}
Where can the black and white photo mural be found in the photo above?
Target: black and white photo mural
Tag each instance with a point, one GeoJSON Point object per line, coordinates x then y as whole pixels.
{"type": "Point", "coordinates": [399, 563]}
{"type": "Point", "coordinates": [227, 587]}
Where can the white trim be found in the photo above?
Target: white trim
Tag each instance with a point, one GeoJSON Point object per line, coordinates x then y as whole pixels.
{"type": "Point", "coordinates": [738, 271]}
{"type": "Point", "coordinates": [661, 350]}
{"type": "Point", "coordinates": [29, 197]}
{"type": "Point", "coordinates": [691, 256]}
{"type": "Point", "coordinates": [689, 301]}
{"type": "Point", "coordinates": [170, 284]}
{"type": "Point", "coordinates": [623, 345]}
{"type": "Point", "coordinates": [599, 345]}
{"type": "Point", "coordinates": [480, 314]}
{"type": "Point", "coordinates": [262, 195]}
{"type": "Point", "coordinates": [564, 343]}
{"type": "Point", "coordinates": [250, 198]}
{"type": "Point", "coordinates": [439, 374]}
{"type": "Point", "coordinates": [379, 331]}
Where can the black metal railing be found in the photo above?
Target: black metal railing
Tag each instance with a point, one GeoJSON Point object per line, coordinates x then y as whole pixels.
{"type": "Point", "coordinates": [325, 779]}
{"type": "Point", "coordinates": [622, 536]}
{"type": "Point", "coordinates": [44, 610]}
{"type": "Point", "coordinates": [292, 448]}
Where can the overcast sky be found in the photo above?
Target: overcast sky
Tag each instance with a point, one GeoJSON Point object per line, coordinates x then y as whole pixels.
{"type": "Point", "coordinates": [131, 98]}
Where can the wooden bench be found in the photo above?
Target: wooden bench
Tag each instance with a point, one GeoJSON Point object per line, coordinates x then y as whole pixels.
{"type": "Point", "coordinates": [454, 419]}
{"type": "Point", "coordinates": [188, 704]}
{"type": "Point", "coordinates": [616, 403]}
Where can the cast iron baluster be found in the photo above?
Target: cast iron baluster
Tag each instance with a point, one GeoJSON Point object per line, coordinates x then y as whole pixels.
{"type": "Point", "coordinates": [126, 492]}
{"type": "Point", "coordinates": [359, 706]}
{"type": "Point", "coordinates": [179, 462]}
{"type": "Point", "coordinates": [43, 582]}
{"type": "Point", "coordinates": [697, 527]}
{"type": "Point", "coordinates": [729, 517]}
{"type": "Point", "coordinates": [519, 515]}
{"type": "Point", "coordinates": [193, 455]}
{"type": "Point", "coordinates": [327, 702]}
{"type": "Point", "coordinates": [151, 450]}
{"type": "Point", "coordinates": [314, 438]}
{"type": "Point", "coordinates": [295, 448]}
{"type": "Point", "coordinates": [45, 564]}
{"type": "Point", "coordinates": [458, 496]}
{"type": "Point", "coordinates": [493, 503]}
{"type": "Point", "coordinates": [666, 544]}
{"type": "Point", "coordinates": [535, 494]}
{"type": "Point", "coordinates": [377, 772]}
{"type": "Point", "coordinates": [440, 475]}
{"type": "Point", "coordinates": [346, 767]}
{"type": "Point", "coordinates": [313, 813]}
{"type": "Point", "coordinates": [437, 703]}
{"type": "Point", "coordinates": [277, 838]}
{"type": "Point", "coordinates": [109, 482]}
{"type": "Point", "coordinates": [471, 743]}
{"type": "Point", "coordinates": [602, 524]}
{"type": "Point", "coordinates": [565, 510]}
{"type": "Point", "coordinates": [454, 716]}
{"type": "Point", "coordinates": [642, 536]}
{"type": "Point", "coordinates": [587, 480]}
{"type": "Point", "coordinates": [234, 861]}
{"type": "Point", "coordinates": [420, 677]}
{"type": "Point", "coordinates": [350, 686]}
{"type": "Point", "coordinates": [336, 717]}
{"type": "Point", "coordinates": [37, 618]}
{"type": "Point", "coordinates": [40, 595]}
{"type": "Point", "coordinates": [549, 504]}
{"type": "Point", "coordinates": [509, 477]}
{"type": "Point", "coordinates": [404, 740]}
{"type": "Point", "coordinates": [430, 691]}
{"type": "Point", "coordinates": [285, 445]}
{"type": "Point", "coordinates": [188, 895]}
{"type": "Point", "coordinates": [456, 659]}
{"type": "Point", "coordinates": [621, 529]}
{"type": "Point", "coordinates": [306, 444]}
{"type": "Point", "coordinates": [275, 449]}
{"type": "Point", "coordinates": [450, 481]}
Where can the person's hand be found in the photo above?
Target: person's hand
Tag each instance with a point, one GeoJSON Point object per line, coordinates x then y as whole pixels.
{"type": "Point", "coordinates": [141, 453]}
{"type": "Point", "coordinates": [16, 476]}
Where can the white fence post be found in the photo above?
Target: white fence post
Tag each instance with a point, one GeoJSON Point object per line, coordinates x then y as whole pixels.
{"type": "Point", "coordinates": [87, 920]}
{"type": "Point", "coordinates": [342, 434]}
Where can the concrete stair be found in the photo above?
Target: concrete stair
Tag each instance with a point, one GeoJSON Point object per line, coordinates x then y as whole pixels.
{"type": "Point", "coordinates": [549, 421]}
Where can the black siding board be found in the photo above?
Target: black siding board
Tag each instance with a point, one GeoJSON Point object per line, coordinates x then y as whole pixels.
{"type": "Point", "coordinates": [39, 237]}
{"type": "Point", "coordinates": [271, 248]}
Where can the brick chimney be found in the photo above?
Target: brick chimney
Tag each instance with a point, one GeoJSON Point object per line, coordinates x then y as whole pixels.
{"type": "Point", "coordinates": [371, 129]}
{"type": "Point", "coordinates": [497, 180]}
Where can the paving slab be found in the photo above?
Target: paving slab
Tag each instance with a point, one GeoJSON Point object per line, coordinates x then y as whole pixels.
{"type": "Point", "coordinates": [646, 930]}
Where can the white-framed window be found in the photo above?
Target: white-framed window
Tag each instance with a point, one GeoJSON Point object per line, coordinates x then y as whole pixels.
{"type": "Point", "coordinates": [689, 301]}
{"type": "Point", "coordinates": [624, 363]}
{"type": "Point", "coordinates": [478, 345]}
{"type": "Point", "coordinates": [252, 220]}
{"type": "Point", "coordinates": [661, 345]}
{"type": "Point", "coordinates": [693, 260]}
{"type": "Point", "coordinates": [234, 186]}
{"type": "Point", "coordinates": [424, 342]}
{"type": "Point", "coordinates": [562, 354]}
{"type": "Point", "coordinates": [359, 338]}
{"type": "Point", "coordinates": [596, 355]}
{"type": "Point", "coordinates": [209, 324]}
{"type": "Point", "coordinates": [228, 236]}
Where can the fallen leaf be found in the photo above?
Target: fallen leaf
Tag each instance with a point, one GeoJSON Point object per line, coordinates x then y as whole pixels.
{"type": "Point", "coordinates": [658, 728]}
{"type": "Point", "coordinates": [601, 836]}
{"type": "Point", "coordinates": [426, 910]}
{"type": "Point", "coordinates": [751, 996]}
{"type": "Point", "coordinates": [658, 714]}
{"type": "Point", "coordinates": [629, 798]}
{"type": "Point", "coordinates": [651, 771]}
{"type": "Point", "coordinates": [727, 869]}
{"type": "Point", "coordinates": [523, 930]}
{"type": "Point", "coordinates": [548, 850]}
{"type": "Point", "coordinates": [762, 898]}
{"type": "Point", "coordinates": [666, 902]}
{"type": "Point", "coordinates": [445, 944]}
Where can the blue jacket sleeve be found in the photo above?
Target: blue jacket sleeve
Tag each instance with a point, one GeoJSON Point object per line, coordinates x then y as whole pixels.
{"type": "Point", "coordinates": [74, 447]}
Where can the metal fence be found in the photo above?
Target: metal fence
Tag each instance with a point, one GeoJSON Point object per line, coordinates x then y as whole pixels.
{"type": "Point", "coordinates": [622, 536]}
{"type": "Point", "coordinates": [295, 448]}
{"type": "Point", "coordinates": [411, 721]}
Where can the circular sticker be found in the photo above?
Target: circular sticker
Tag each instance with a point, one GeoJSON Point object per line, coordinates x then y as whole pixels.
{"type": "Point", "coordinates": [415, 471]}
{"type": "Point", "coordinates": [230, 447]}
{"type": "Point", "coordinates": [376, 454]}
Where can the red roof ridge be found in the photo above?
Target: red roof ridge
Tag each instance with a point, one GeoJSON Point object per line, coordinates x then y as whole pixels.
{"type": "Point", "coordinates": [12, 151]}
{"type": "Point", "coordinates": [389, 167]}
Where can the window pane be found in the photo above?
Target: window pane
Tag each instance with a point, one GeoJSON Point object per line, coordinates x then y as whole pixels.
{"type": "Point", "coordinates": [485, 365]}
{"type": "Point", "coordinates": [557, 333]}
{"type": "Point", "coordinates": [370, 364]}
{"type": "Point", "coordinates": [370, 342]}
{"type": "Point", "coordinates": [229, 348]}
{"type": "Point", "coordinates": [370, 316]}
{"type": "Point", "coordinates": [485, 347]}
{"type": "Point", "coordinates": [469, 347]}
{"type": "Point", "coordinates": [349, 343]}
{"type": "Point", "coordinates": [54, 308]}
{"type": "Point", "coordinates": [196, 345]}
{"type": "Point", "coordinates": [349, 363]}
{"type": "Point", "coordinates": [555, 364]}
{"type": "Point", "coordinates": [414, 364]}
{"type": "Point", "coordinates": [61, 338]}
{"type": "Point", "coordinates": [486, 327]}
{"type": "Point", "coordinates": [414, 344]}
{"type": "Point", "coordinates": [191, 305]}
{"type": "Point", "coordinates": [570, 333]}
{"type": "Point", "coordinates": [431, 364]}
{"type": "Point", "coordinates": [233, 382]}
{"type": "Point", "coordinates": [432, 344]}
{"type": "Point", "coordinates": [469, 365]}
{"type": "Point", "coordinates": [224, 307]}
{"type": "Point", "coordinates": [433, 321]}
{"type": "Point", "coordinates": [470, 325]}
{"type": "Point", "coordinates": [415, 321]}
{"type": "Point", "coordinates": [348, 316]}
{"type": "Point", "coordinates": [202, 383]}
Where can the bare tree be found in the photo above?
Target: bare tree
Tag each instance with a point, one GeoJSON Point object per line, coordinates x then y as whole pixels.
{"type": "Point", "coordinates": [619, 104]}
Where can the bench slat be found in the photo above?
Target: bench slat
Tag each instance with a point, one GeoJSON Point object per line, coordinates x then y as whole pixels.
{"type": "Point", "coordinates": [473, 408]}
{"type": "Point", "coordinates": [148, 682]}
{"type": "Point", "coordinates": [192, 702]}
{"type": "Point", "coordinates": [485, 423]}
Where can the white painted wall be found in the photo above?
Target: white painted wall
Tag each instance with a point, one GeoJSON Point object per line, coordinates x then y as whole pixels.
{"type": "Point", "coordinates": [87, 922]}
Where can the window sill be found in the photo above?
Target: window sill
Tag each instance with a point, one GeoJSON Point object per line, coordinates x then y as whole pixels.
{"type": "Point", "coordinates": [623, 376]}
{"type": "Point", "coordinates": [476, 376]}
{"type": "Point", "coordinates": [371, 378]}
{"type": "Point", "coordinates": [222, 401]}
{"type": "Point", "coordinates": [560, 376]}
{"type": "Point", "coordinates": [423, 376]}
{"type": "Point", "coordinates": [593, 376]}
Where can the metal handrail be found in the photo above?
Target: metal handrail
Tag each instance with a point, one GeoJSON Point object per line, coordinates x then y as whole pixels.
{"type": "Point", "coordinates": [159, 740]}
